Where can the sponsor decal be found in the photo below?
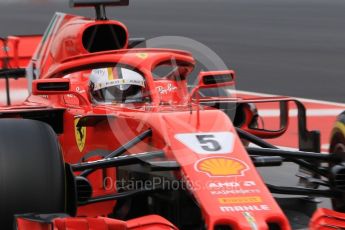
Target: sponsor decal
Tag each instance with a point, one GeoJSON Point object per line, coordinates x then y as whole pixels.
{"type": "Point", "coordinates": [119, 82]}
{"type": "Point", "coordinates": [208, 143]}
{"type": "Point", "coordinates": [232, 188]}
{"type": "Point", "coordinates": [142, 55]}
{"type": "Point", "coordinates": [244, 208]}
{"type": "Point", "coordinates": [249, 183]}
{"type": "Point", "coordinates": [251, 220]}
{"type": "Point", "coordinates": [230, 184]}
{"type": "Point", "coordinates": [221, 167]}
{"type": "Point", "coordinates": [235, 192]}
{"type": "Point", "coordinates": [80, 90]}
{"type": "Point", "coordinates": [80, 135]}
{"type": "Point", "coordinates": [170, 88]}
{"type": "Point", "coordinates": [240, 200]}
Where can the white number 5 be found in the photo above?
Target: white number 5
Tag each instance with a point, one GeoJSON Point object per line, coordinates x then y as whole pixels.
{"type": "Point", "coordinates": [208, 143]}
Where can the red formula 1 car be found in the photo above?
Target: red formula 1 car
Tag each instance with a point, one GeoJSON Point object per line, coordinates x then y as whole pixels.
{"type": "Point", "coordinates": [112, 137]}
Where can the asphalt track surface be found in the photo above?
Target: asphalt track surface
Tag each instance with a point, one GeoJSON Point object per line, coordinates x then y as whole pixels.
{"type": "Point", "coordinates": [285, 47]}
{"type": "Point", "coordinates": [289, 47]}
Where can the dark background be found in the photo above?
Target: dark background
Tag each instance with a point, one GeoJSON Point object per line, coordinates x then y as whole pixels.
{"type": "Point", "coordinates": [289, 47]}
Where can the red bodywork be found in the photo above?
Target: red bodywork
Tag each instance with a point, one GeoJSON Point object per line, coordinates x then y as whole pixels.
{"type": "Point", "coordinates": [225, 184]}
{"type": "Point", "coordinates": [100, 223]}
{"type": "Point", "coordinates": [325, 219]}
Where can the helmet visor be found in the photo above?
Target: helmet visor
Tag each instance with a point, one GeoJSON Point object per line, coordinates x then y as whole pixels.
{"type": "Point", "coordinates": [119, 93]}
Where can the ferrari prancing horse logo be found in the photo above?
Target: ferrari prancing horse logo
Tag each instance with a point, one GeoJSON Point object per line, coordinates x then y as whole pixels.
{"type": "Point", "coordinates": [142, 55]}
{"type": "Point", "coordinates": [80, 135]}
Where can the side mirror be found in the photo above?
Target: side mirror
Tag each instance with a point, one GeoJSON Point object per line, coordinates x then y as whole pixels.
{"type": "Point", "coordinates": [56, 86]}
{"type": "Point", "coordinates": [214, 79]}
{"type": "Point", "coordinates": [51, 86]}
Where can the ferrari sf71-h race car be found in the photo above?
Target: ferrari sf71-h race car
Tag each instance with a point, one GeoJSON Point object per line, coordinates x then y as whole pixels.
{"type": "Point", "coordinates": [113, 137]}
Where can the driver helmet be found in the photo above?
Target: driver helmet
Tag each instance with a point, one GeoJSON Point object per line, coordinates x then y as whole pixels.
{"type": "Point", "coordinates": [116, 85]}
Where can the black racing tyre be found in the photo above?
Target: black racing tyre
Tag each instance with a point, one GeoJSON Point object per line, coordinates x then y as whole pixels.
{"type": "Point", "coordinates": [32, 173]}
{"type": "Point", "coordinates": [337, 146]}
{"type": "Point", "coordinates": [337, 142]}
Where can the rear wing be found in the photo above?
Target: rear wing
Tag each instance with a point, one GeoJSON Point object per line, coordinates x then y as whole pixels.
{"type": "Point", "coordinates": [15, 55]}
{"type": "Point", "coordinates": [16, 51]}
{"type": "Point", "coordinates": [99, 5]}
{"type": "Point", "coordinates": [90, 3]}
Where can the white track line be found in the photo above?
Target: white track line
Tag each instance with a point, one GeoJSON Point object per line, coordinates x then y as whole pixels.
{"type": "Point", "coordinates": [325, 146]}
{"type": "Point", "coordinates": [298, 98]}
{"type": "Point", "coordinates": [293, 112]}
{"type": "Point", "coordinates": [16, 95]}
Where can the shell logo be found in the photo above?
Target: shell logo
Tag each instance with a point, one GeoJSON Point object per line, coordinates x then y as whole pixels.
{"type": "Point", "coordinates": [221, 167]}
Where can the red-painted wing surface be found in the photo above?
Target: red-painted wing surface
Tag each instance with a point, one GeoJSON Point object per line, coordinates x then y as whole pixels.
{"type": "Point", "coordinates": [324, 219]}
{"type": "Point", "coordinates": [100, 223]}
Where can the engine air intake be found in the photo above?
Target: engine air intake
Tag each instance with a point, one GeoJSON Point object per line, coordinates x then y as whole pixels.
{"type": "Point", "coordinates": [104, 37]}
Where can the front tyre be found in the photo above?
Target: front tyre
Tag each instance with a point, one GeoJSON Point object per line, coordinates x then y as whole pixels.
{"type": "Point", "coordinates": [337, 146]}
{"type": "Point", "coordinates": [337, 143]}
{"type": "Point", "coordinates": [32, 173]}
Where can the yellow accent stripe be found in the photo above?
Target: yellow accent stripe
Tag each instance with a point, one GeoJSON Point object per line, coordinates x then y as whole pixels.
{"type": "Point", "coordinates": [240, 200]}
{"type": "Point", "coordinates": [110, 74]}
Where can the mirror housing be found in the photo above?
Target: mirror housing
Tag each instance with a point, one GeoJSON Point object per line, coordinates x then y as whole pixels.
{"type": "Point", "coordinates": [215, 79]}
{"type": "Point", "coordinates": [51, 86]}
{"type": "Point", "coordinates": [56, 86]}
